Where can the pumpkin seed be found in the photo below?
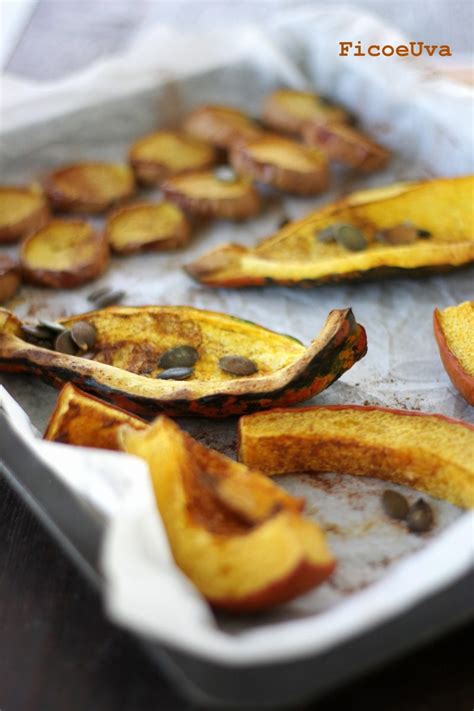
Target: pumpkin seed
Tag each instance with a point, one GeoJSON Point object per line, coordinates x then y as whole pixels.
{"type": "Point", "coordinates": [109, 298]}
{"type": "Point", "coordinates": [65, 344]}
{"type": "Point", "coordinates": [84, 335]}
{"type": "Point", "coordinates": [420, 517]}
{"type": "Point", "coordinates": [405, 233]}
{"type": "Point", "coordinates": [328, 234]}
{"type": "Point", "coordinates": [36, 333]}
{"type": "Point", "coordinates": [423, 234]}
{"type": "Point", "coordinates": [394, 504]}
{"type": "Point", "coordinates": [237, 365]}
{"type": "Point", "coordinates": [52, 326]}
{"type": "Point", "coordinates": [175, 374]}
{"type": "Point", "coordinates": [225, 174]}
{"type": "Point", "coordinates": [351, 238]}
{"type": "Point", "coordinates": [181, 356]}
{"type": "Point", "coordinates": [97, 293]}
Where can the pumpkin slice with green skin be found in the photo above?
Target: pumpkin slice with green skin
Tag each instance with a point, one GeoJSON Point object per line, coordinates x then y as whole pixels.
{"type": "Point", "coordinates": [432, 453]}
{"type": "Point", "coordinates": [441, 210]}
{"type": "Point", "coordinates": [86, 421]}
{"type": "Point", "coordinates": [454, 332]}
{"type": "Point", "coordinates": [238, 537]}
{"type": "Point", "coordinates": [122, 367]}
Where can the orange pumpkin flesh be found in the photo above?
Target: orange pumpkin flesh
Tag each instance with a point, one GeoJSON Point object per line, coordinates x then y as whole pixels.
{"type": "Point", "coordinates": [86, 421]}
{"type": "Point", "coordinates": [454, 332]}
{"type": "Point", "coordinates": [431, 453]}
{"type": "Point", "coordinates": [243, 544]}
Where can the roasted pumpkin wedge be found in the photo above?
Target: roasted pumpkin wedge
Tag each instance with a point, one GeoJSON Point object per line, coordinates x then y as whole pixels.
{"type": "Point", "coordinates": [164, 153]}
{"type": "Point", "coordinates": [207, 195]}
{"type": "Point", "coordinates": [454, 332]}
{"type": "Point", "coordinates": [64, 254]}
{"type": "Point", "coordinates": [86, 421]}
{"type": "Point", "coordinates": [243, 543]}
{"type": "Point", "coordinates": [346, 145]}
{"type": "Point", "coordinates": [282, 163]}
{"type": "Point", "coordinates": [431, 453]}
{"type": "Point", "coordinates": [22, 210]}
{"type": "Point", "coordinates": [9, 278]}
{"type": "Point", "coordinates": [134, 350]}
{"type": "Point", "coordinates": [289, 111]}
{"type": "Point", "coordinates": [89, 187]}
{"type": "Point", "coordinates": [220, 126]}
{"type": "Point", "coordinates": [320, 248]}
{"type": "Point", "coordinates": [147, 226]}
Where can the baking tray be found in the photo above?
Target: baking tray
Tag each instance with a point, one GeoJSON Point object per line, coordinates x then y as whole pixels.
{"type": "Point", "coordinates": [74, 524]}
{"type": "Point", "coordinates": [78, 531]}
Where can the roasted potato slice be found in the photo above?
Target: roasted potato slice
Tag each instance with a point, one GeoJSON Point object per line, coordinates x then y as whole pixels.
{"type": "Point", "coordinates": [64, 254]}
{"type": "Point", "coordinates": [221, 126]}
{"type": "Point", "coordinates": [346, 145]}
{"type": "Point", "coordinates": [89, 187]}
{"type": "Point", "coordinates": [147, 226]}
{"type": "Point", "coordinates": [289, 110]}
{"type": "Point", "coordinates": [9, 278]}
{"type": "Point", "coordinates": [206, 195]}
{"type": "Point", "coordinates": [164, 153]}
{"type": "Point", "coordinates": [22, 210]}
{"type": "Point", "coordinates": [282, 163]}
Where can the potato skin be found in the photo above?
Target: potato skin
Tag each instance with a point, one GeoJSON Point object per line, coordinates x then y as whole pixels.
{"type": "Point", "coordinates": [10, 278]}
{"type": "Point", "coordinates": [65, 278]}
{"type": "Point", "coordinates": [38, 216]}
{"type": "Point", "coordinates": [62, 201]}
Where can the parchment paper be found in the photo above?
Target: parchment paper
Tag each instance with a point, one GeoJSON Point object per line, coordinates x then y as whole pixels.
{"type": "Point", "coordinates": [96, 115]}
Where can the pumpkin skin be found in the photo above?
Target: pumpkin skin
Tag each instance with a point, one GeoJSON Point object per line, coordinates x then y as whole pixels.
{"type": "Point", "coordinates": [294, 257]}
{"type": "Point", "coordinates": [238, 537]}
{"type": "Point", "coordinates": [424, 451]}
{"type": "Point", "coordinates": [288, 372]}
{"type": "Point", "coordinates": [460, 378]}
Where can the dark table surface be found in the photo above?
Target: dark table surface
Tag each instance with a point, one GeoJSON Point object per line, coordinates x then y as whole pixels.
{"type": "Point", "coordinates": [57, 651]}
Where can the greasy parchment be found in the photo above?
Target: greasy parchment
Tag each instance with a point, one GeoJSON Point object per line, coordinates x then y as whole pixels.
{"type": "Point", "coordinates": [381, 568]}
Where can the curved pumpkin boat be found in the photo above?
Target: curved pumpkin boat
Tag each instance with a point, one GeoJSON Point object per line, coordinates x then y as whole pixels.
{"type": "Point", "coordinates": [303, 253]}
{"type": "Point", "coordinates": [122, 367]}
{"type": "Point", "coordinates": [454, 329]}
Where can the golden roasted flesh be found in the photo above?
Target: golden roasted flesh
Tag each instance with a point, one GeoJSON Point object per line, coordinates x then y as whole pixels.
{"type": "Point", "coordinates": [164, 153]}
{"type": "Point", "coordinates": [22, 211]}
{"type": "Point", "coordinates": [147, 226]}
